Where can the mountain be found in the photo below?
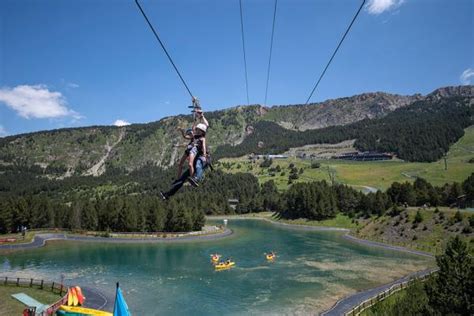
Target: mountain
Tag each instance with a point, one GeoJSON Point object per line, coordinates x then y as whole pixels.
{"type": "Point", "coordinates": [96, 149]}
{"type": "Point", "coordinates": [340, 111]}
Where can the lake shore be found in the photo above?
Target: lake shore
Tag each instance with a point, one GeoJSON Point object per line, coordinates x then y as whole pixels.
{"type": "Point", "coordinates": [269, 218]}
{"type": "Point", "coordinates": [40, 239]}
{"type": "Point", "coordinates": [344, 298]}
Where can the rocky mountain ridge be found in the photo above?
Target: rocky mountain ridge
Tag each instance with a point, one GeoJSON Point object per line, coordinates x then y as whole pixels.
{"type": "Point", "coordinates": [93, 150]}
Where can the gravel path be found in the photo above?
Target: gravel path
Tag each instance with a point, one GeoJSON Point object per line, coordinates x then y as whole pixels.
{"type": "Point", "coordinates": [348, 303]}
{"type": "Point", "coordinates": [386, 246]}
{"type": "Point", "coordinates": [40, 239]}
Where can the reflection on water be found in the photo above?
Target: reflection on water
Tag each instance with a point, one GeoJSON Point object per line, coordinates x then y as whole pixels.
{"type": "Point", "coordinates": [312, 271]}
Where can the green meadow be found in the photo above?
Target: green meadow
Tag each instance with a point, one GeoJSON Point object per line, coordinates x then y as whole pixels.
{"type": "Point", "coordinates": [375, 174]}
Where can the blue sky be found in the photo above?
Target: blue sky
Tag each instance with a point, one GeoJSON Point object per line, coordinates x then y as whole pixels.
{"type": "Point", "coordinates": [93, 62]}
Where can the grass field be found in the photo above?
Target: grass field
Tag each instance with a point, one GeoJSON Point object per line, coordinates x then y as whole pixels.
{"type": "Point", "coordinates": [376, 174]}
{"type": "Point", "coordinates": [382, 308]}
{"type": "Point", "coordinates": [10, 306]}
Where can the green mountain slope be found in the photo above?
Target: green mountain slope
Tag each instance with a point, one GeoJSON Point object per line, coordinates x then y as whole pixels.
{"type": "Point", "coordinates": [93, 150]}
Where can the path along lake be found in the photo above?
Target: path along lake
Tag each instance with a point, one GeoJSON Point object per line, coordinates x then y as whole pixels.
{"type": "Point", "coordinates": [313, 270]}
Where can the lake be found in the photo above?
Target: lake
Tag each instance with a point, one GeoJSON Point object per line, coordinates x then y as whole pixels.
{"type": "Point", "coordinates": [313, 270]}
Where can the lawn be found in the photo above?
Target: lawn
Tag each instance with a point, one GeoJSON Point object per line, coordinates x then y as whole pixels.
{"type": "Point", "coordinates": [10, 306]}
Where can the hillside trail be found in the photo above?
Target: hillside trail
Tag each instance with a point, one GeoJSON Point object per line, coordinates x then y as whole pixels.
{"type": "Point", "coordinates": [99, 168]}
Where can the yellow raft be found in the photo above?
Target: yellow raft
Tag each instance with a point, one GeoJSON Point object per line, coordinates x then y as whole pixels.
{"type": "Point", "coordinates": [84, 311]}
{"type": "Point", "coordinates": [224, 265]}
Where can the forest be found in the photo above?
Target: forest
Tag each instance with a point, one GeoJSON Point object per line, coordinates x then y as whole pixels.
{"type": "Point", "coordinates": [117, 201]}
{"type": "Point", "coordinates": [428, 129]}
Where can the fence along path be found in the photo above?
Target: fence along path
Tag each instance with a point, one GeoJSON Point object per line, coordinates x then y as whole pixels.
{"type": "Point", "coordinates": [355, 304]}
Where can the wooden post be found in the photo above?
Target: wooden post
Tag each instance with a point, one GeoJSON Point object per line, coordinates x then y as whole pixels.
{"type": "Point", "coordinates": [17, 281]}
{"type": "Point", "coordinates": [31, 282]}
{"type": "Point", "coordinates": [52, 287]}
{"type": "Point", "coordinates": [6, 280]}
{"type": "Point", "coordinates": [41, 286]}
{"type": "Point", "coordinates": [61, 291]}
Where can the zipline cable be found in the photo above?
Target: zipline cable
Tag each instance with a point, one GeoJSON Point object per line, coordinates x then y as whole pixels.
{"type": "Point", "coordinates": [164, 49]}
{"type": "Point", "coordinates": [335, 51]}
{"type": "Point", "coordinates": [271, 48]}
{"type": "Point", "coordinates": [243, 48]}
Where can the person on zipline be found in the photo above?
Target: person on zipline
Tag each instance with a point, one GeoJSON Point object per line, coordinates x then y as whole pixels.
{"type": "Point", "coordinates": [198, 159]}
{"type": "Point", "coordinates": [191, 148]}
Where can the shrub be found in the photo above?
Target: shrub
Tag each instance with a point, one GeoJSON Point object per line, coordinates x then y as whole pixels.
{"type": "Point", "coordinates": [457, 217]}
{"type": "Point", "coordinates": [418, 217]}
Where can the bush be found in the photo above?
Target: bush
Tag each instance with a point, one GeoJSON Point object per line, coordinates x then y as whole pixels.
{"type": "Point", "coordinates": [418, 217]}
{"type": "Point", "coordinates": [315, 165]}
{"type": "Point", "coordinates": [457, 217]}
{"type": "Point", "coordinates": [266, 162]}
{"type": "Point", "coordinates": [395, 211]}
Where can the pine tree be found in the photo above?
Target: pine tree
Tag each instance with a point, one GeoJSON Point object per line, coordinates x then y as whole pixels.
{"type": "Point", "coordinates": [451, 292]}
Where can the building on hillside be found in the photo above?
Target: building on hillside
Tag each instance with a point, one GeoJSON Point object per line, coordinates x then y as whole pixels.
{"type": "Point", "coordinates": [364, 156]}
{"type": "Point", "coordinates": [253, 157]}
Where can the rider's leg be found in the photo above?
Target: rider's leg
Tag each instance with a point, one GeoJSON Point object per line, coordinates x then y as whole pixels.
{"type": "Point", "coordinates": [200, 166]}
{"type": "Point", "coordinates": [177, 185]}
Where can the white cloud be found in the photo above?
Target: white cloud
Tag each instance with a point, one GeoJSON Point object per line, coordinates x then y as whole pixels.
{"type": "Point", "coordinates": [121, 123]}
{"type": "Point", "coordinates": [3, 131]}
{"type": "Point", "coordinates": [72, 85]}
{"type": "Point", "coordinates": [466, 76]}
{"type": "Point", "coordinates": [380, 6]}
{"type": "Point", "coordinates": [36, 102]}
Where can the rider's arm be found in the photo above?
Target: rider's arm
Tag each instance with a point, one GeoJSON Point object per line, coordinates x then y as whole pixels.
{"type": "Point", "coordinates": [204, 120]}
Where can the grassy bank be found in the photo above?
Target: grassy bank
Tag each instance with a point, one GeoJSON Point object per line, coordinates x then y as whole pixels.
{"type": "Point", "coordinates": [10, 306]}
{"type": "Point", "coordinates": [430, 233]}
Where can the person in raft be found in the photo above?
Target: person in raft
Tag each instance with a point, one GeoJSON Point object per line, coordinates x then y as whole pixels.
{"type": "Point", "coordinates": [197, 160]}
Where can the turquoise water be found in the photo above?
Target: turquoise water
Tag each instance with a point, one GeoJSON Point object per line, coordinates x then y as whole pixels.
{"type": "Point", "coordinates": [312, 271]}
